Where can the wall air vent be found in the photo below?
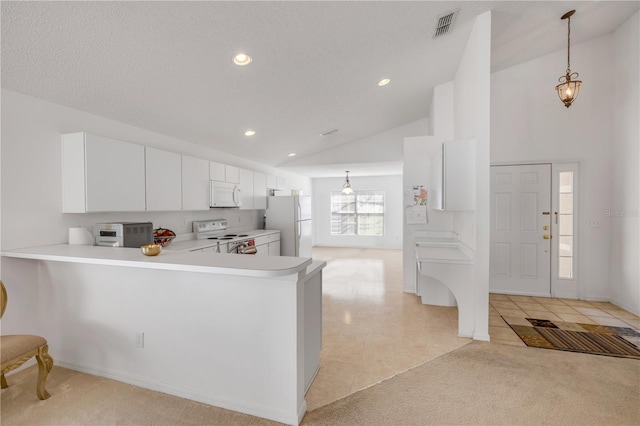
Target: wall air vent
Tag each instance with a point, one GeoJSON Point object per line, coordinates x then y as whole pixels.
{"type": "Point", "coordinates": [328, 132]}
{"type": "Point", "coordinates": [444, 23]}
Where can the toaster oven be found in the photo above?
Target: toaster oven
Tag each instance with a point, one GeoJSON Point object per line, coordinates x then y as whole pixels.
{"type": "Point", "coordinates": [123, 234]}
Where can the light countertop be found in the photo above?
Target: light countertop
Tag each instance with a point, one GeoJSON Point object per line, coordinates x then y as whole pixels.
{"type": "Point", "coordinates": [215, 263]}
{"type": "Point", "coordinates": [187, 245]}
{"type": "Point", "coordinates": [444, 252]}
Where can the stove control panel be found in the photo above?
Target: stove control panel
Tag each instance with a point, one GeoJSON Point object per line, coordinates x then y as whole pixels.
{"type": "Point", "coordinates": [203, 226]}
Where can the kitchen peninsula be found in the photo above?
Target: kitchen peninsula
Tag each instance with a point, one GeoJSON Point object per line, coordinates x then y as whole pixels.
{"type": "Point", "coordinates": [238, 332]}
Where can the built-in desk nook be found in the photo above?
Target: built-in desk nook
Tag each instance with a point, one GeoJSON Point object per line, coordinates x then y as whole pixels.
{"type": "Point", "coordinates": [447, 262]}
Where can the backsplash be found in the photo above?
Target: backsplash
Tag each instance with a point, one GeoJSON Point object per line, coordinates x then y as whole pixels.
{"type": "Point", "coordinates": [179, 222]}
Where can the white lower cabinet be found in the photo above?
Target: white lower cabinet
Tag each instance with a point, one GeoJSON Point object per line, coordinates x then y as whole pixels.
{"type": "Point", "coordinates": [262, 250]}
{"type": "Point", "coordinates": [268, 245]}
{"type": "Point", "coordinates": [101, 174]}
{"type": "Point", "coordinates": [274, 248]}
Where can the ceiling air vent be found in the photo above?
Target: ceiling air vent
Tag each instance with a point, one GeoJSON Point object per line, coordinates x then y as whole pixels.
{"type": "Point", "coordinates": [329, 132]}
{"type": "Point", "coordinates": [444, 23]}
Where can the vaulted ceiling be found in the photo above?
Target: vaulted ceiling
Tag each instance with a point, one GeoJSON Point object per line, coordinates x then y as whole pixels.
{"type": "Point", "coordinates": [167, 66]}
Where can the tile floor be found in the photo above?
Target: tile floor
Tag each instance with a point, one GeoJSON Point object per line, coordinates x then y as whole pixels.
{"type": "Point", "coordinates": [372, 330]}
{"type": "Point", "coordinates": [603, 313]}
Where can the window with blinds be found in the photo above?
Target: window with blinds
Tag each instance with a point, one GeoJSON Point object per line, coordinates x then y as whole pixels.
{"type": "Point", "coordinates": [360, 213]}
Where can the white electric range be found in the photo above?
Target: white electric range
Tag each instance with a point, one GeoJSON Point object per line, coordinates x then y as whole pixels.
{"type": "Point", "coordinates": [213, 236]}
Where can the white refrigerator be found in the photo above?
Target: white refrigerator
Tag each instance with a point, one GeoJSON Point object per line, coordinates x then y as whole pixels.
{"type": "Point", "coordinates": [291, 215]}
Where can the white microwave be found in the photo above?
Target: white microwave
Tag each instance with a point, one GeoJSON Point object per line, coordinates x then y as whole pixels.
{"type": "Point", "coordinates": [224, 195]}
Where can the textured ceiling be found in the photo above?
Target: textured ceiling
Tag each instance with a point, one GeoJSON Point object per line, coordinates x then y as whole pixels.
{"type": "Point", "coordinates": [166, 66]}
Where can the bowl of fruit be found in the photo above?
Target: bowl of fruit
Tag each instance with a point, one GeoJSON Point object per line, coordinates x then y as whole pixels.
{"type": "Point", "coordinates": [163, 236]}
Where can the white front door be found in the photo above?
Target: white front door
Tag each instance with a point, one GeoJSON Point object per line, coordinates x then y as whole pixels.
{"type": "Point", "coordinates": [520, 230]}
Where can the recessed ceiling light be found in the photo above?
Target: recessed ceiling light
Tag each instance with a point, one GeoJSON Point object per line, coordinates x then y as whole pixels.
{"type": "Point", "coordinates": [242, 59]}
{"type": "Point", "coordinates": [293, 154]}
{"type": "Point", "coordinates": [250, 133]}
{"type": "Point", "coordinates": [384, 82]}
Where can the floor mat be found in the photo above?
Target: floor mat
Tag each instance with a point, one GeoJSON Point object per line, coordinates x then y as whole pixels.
{"type": "Point", "coordinates": [577, 337]}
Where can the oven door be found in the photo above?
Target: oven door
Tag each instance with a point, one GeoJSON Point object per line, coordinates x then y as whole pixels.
{"type": "Point", "coordinates": [224, 194]}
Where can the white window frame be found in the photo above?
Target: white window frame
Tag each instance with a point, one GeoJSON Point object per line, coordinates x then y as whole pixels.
{"type": "Point", "coordinates": [565, 287]}
{"type": "Point", "coordinates": [355, 193]}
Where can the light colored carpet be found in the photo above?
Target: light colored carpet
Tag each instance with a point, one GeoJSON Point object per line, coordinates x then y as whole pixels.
{"type": "Point", "coordinates": [492, 384]}
{"type": "Point", "coordinates": [480, 383]}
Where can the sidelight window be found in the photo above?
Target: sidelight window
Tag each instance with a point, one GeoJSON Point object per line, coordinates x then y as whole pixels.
{"type": "Point", "coordinates": [565, 224]}
{"type": "Point", "coordinates": [565, 247]}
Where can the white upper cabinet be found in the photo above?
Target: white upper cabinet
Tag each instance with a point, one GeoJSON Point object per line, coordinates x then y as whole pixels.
{"type": "Point", "coordinates": [195, 183]}
{"type": "Point", "coordinates": [272, 182]}
{"type": "Point", "coordinates": [259, 191]}
{"type": "Point", "coordinates": [246, 185]}
{"type": "Point", "coordinates": [107, 175]}
{"type": "Point", "coordinates": [454, 176]}
{"type": "Point", "coordinates": [163, 180]}
{"type": "Point", "coordinates": [223, 172]}
{"type": "Point", "coordinates": [232, 174]}
{"type": "Point", "coordinates": [101, 174]}
{"type": "Point", "coordinates": [276, 182]}
{"type": "Point", "coordinates": [217, 171]}
{"type": "Point", "coordinates": [281, 183]}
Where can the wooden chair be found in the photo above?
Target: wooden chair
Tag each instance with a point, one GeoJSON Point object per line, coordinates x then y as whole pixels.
{"type": "Point", "coordinates": [15, 350]}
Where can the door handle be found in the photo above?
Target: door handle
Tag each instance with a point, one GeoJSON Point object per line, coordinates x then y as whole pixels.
{"type": "Point", "coordinates": [546, 236]}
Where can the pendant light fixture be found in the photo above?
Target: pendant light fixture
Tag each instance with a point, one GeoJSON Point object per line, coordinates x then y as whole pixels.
{"type": "Point", "coordinates": [569, 87]}
{"type": "Point", "coordinates": [346, 188]}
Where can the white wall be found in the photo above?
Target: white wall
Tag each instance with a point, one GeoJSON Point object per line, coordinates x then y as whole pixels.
{"type": "Point", "coordinates": [378, 148]}
{"type": "Point", "coordinates": [460, 110]}
{"type": "Point", "coordinates": [472, 103]}
{"type": "Point", "coordinates": [625, 168]}
{"type": "Point", "coordinates": [530, 124]}
{"type": "Point", "coordinates": [419, 154]}
{"type": "Point", "coordinates": [391, 185]}
{"type": "Point", "coordinates": [31, 173]}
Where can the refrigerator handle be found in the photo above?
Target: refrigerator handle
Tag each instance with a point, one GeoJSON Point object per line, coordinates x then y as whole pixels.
{"type": "Point", "coordinates": [299, 211]}
{"type": "Point", "coordinates": [299, 229]}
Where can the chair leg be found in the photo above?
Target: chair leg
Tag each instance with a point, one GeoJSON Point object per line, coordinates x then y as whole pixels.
{"type": "Point", "coordinates": [45, 364]}
{"type": "Point", "coordinates": [4, 382]}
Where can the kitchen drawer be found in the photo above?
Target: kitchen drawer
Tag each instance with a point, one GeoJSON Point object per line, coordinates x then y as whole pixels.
{"type": "Point", "coordinates": [206, 249]}
{"type": "Point", "coordinates": [268, 238]}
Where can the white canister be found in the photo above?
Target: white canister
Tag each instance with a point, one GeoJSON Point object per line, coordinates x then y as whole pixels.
{"type": "Point", "coordinates": [80, 236]}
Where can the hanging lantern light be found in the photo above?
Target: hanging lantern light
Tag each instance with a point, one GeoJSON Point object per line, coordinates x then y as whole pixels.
{"type": "Point", "coordinates": [569, 86]}
{"type": "Point", "coordinates": [346, 188]}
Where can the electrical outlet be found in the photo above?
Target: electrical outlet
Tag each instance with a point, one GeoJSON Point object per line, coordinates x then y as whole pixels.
{"type": "Point", "coordinates": [140, 339]}
{"type": "Point", "coordinates": [595, 223]}
{"type": "Point", "coordinates": [184, 223]}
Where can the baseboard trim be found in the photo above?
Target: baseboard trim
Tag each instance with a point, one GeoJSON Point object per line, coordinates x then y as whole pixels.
{"type": "Point", "coordinates": [519, 293]}
{"type": "Point", "coordinates": [257, 410]}
{"type": "Point", "coordinates": [624, 306]}
{"type": "Point", "coordinates": [482, 337]}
